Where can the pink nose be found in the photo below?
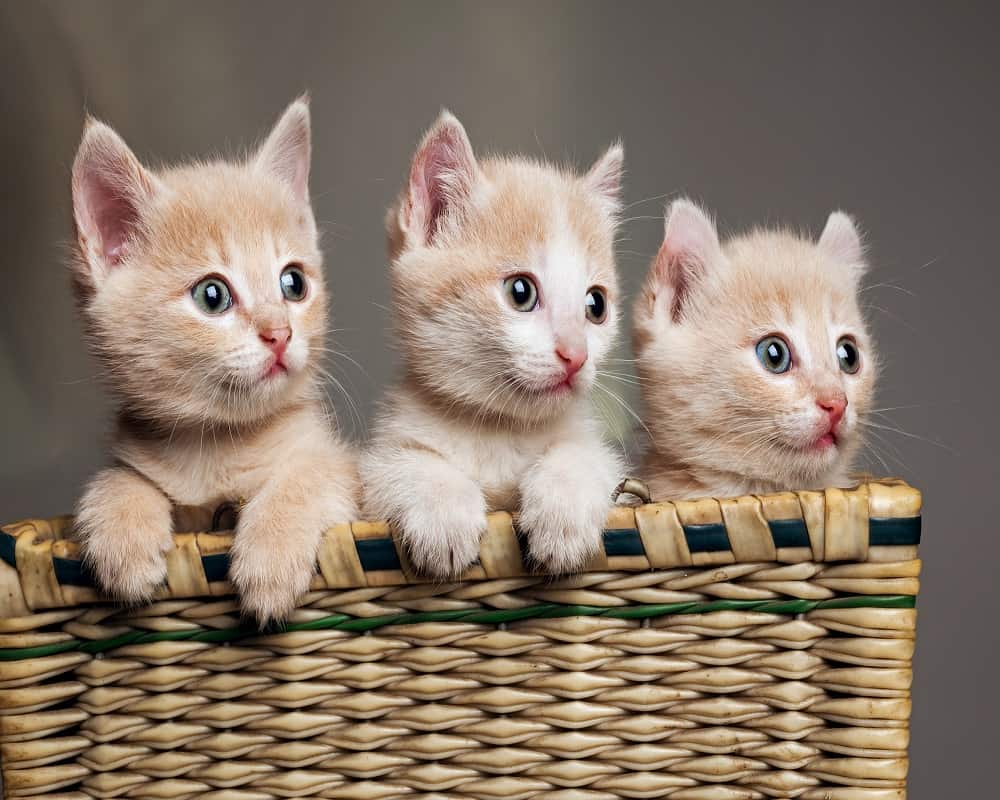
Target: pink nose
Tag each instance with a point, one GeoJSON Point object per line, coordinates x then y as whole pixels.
{"type": "Point", "coordinates": [834, 408]}
{"type": "Point", "coordinates": [572, 358]}
{"type": "Point", "coordinates": [276, 339]}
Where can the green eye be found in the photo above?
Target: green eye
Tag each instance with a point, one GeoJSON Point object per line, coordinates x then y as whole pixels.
{"type": "Point", "coordinates": [773, 353]}
{"type": "Point", "coordinates": [212, 295]}
{"type": "Point", "coordinates": [848, 355]}
{"type": "Point", "coordinates": [293, 284]}
{"type": "Point", "coordinates": [521, 292]}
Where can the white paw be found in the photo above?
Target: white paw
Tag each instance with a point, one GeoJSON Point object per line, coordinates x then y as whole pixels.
{"type": "Point", "coordinates": [564, 528]}
{"type": "Point", "coordinates": [124, 528]}
{"type": "Point", "coordinates": [133, 573]}
{"type": "Point", "coordinates": [443, 540]}
{"type": "Point", "coordinates": [270, 570]}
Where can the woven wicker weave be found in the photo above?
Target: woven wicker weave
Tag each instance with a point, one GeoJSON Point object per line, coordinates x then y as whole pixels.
{"type": "Point", "coordinates": [748, 648]}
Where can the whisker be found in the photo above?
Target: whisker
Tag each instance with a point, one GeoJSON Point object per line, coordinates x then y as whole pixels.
{"type": "Point", "coordinates": [624, 406]}
{"type": "Point", "coordinates": [901, 432]}
{"type": "Point", "coordinates": [647, 200]}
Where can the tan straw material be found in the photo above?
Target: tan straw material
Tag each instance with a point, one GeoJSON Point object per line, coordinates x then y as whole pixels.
{"type": "Point", "coordinates": [740, 649]}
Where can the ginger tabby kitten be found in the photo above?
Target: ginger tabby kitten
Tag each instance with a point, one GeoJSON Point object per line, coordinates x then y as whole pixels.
{"type": "Point", "coordinates": [756, 367]}
{"type": "Point", "coordinates": [506, 300]}
{"type": "Point", "coordinates": [202, 292]}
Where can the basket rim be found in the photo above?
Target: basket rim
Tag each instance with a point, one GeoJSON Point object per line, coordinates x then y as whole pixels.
{"type": "Point", "coordinates": [879, 520]}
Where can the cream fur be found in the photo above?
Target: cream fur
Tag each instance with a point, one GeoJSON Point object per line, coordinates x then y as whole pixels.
{"type": "Point", "coordinates": [721, 424]}
{"type": "Point", "coordinates": [200, 423]}
{"type": "Point", "coordinates": [471, 427]}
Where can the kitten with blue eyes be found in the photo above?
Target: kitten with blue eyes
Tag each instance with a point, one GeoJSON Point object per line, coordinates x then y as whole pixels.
{"type": "Point", "coordinates": [202, 293]}
{"type": "Point", "coordinates": [506, 300]}
{"type": "Point", "coordinates": [755, 363]}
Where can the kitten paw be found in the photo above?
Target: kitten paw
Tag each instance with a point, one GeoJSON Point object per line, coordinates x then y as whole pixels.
{"type": "Point", "coordinates": [269, 578]}
{"type": "Point", "coordinates": [439, 511]}
{"type": "Point", "coordinates": [273, 557]}
{"type": "Point", "coordinates": [564, 528]}
{"type": "Point", "coordinates": [132, 576]}
{"type": "Point", "coordinates": [443, 540]}
{"type": "Point", "coordinates": [124, 527]}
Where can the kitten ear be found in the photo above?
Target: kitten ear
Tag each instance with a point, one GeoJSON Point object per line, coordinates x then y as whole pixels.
{"type": "Point", "coordinates": [442, 177]}
{"type": "Point", "coordinates": [111, 190]}
{"type": "Point", "coordinates": [690, 246]}
{"type": "Point", "coordinates": [841, 241]}
{"type": "Point", "coordinates": [605, 177]}
{"type": "Point", "coordinates": [287, 150]}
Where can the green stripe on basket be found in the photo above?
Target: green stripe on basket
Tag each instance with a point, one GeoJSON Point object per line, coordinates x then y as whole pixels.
{"type": "Point", "coordinates": [345, 622]}
{"type": "Point", "coordinates": [380, 554]}
{"type": "Point", "coordinates": [710, 537]}
{"type": "Point", "coordinates": [894, 531]}
{"type": "Point", "coordinates": [376, 554]}
{"type": "Point", "coordinates": [7, 545]}
{"type": "Point", "coordinates": [789, 532]}
{"type": "Point", "coordinates": [623, 542]}
{"type": "Point", "coordinates": [72, 572]}
{"type": "Point", "coordinates": [216, 567]}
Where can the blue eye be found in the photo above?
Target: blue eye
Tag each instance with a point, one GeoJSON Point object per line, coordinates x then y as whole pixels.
{"type": "Point", "coordinates": [212, 295]}
{"type": "Point", "coordinates": [773, 353]}
{"type": "Point", "coordinates": [293, 283]}
{"type": "Point", "coordinates": [521, 292]}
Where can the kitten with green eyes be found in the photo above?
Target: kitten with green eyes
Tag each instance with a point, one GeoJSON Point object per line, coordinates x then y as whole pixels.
{"type": "Point", "coordinates": [202, 292]}
{"type": "Point", "coordinates": [756, 367]}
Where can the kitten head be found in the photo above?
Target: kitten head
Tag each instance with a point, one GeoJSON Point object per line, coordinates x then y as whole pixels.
{"type": "Point", "coordinates": [503, 277]}
{"type": "Point", "coordinates": [201, 285]}
{"type": "Point", "coordinates": [754, 355]}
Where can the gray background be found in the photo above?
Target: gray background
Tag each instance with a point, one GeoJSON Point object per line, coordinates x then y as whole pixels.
{"type": "Point", "coordinates": [766, 111]}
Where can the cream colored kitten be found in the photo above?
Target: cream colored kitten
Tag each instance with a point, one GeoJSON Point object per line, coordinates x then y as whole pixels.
{"type": "Point", "coordinates": [506, 299]}
{"type": "Point", "coordinates": [756, 366]}
{"type": "Point", "coordinates": [202, 291]}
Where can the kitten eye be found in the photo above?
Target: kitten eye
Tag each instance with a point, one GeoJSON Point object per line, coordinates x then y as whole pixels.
{"type": "Point", "coordinates": [521, 292]}
{"type": "Point", "coordinates": [597, 305]}
{"type": "Point", "coordinates": [293, 283]}
{"type": "Point", "coordinates": [848, 355]}
{"type": "Point", "coordinates": [212, 295]}
{"type": "Point", "coordinates": [773, 353]}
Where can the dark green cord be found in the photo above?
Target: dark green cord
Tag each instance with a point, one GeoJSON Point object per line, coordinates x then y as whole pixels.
{"type": "Point", "coordinates": [344, 622]}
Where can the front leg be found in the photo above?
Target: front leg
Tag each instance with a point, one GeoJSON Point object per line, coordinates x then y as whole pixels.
{"type": "Point", "coordinates": [273, 557]}
{"type": "Point", "coordinates": [124, 526]}
{"type": "Point", "coordinates": [565, 500]}
{"type": "Point", "coordinates": [439, 511]}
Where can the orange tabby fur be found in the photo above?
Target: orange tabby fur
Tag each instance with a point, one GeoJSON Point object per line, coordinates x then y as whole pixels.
{"type": "Point", "coordinates": [201, 420]}
{"type": "Point", "coordinates": [720, 423]}
{"type": "Point", "coordinates": [473, 426]}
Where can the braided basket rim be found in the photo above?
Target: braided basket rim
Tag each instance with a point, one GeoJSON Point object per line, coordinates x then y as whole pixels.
{"type": "Point", "coordinates": [879, 520]}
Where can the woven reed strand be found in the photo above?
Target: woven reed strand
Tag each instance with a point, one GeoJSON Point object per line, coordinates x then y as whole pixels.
{"type": "Point", "coordinates": [709, 706]}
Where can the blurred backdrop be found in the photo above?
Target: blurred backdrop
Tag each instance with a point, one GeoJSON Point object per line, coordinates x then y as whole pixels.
{"type": "Point", "coordinates": [766, 111]}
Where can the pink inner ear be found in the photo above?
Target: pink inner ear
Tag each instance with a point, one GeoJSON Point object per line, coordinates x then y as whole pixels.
{"type": "Point", "coordinates": [433, 198]}
{"type": "Point", "coordinates": [113, 217]}
{"type": "Point", "coordinates": [690, 237]}
{"type": "Point", "coordinates": [441, 174]}
{"type": "Point", "coordinates": [675, 275]}
{"type": "Point", "coordinates": [690, 243]}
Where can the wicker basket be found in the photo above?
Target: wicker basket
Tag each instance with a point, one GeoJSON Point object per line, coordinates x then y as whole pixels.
{"type": "Point", "coordinates": [747, 648]}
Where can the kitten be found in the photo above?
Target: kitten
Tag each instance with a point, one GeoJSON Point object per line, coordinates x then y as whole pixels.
{"type": "Point", "coordinates": [506, 300]}
{"type": "Point", "coordinates": [755, 364]}
{"type": "Point", "coordinates": [202, 292]}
